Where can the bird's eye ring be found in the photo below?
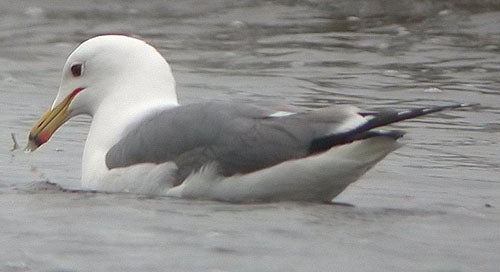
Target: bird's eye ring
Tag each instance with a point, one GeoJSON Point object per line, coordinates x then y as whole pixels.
{"type": "Point", "coordinates": [77, 69]}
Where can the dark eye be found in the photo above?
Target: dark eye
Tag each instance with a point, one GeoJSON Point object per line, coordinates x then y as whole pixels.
{"type": "Point", "coordinates": [76, 70]}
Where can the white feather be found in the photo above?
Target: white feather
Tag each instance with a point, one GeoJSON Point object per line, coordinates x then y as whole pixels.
{"type": "Point", "coordinates": [315, 178]}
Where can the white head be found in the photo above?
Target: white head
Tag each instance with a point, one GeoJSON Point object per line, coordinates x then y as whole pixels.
{"type": "Point", "coordinates": [106, 69]}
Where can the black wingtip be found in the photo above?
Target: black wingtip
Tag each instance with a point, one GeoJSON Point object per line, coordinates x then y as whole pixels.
{"type": "Point", "coordinates": [394, 134]}
{"type": "Point", "coordinates": [389, 117]}
{"type": "Point", "coordinates": [452, 106]}
{"type": "Point", "coordinates": [469, 105]}
{"type": "Point", "coordinates": [377, 120]}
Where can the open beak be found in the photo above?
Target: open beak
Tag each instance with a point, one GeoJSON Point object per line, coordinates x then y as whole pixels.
{"type": "Point", "coordinates": [48, 124]}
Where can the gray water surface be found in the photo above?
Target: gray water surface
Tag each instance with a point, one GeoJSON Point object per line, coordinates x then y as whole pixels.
{"type": "Point", "coordinates": [432, 205]}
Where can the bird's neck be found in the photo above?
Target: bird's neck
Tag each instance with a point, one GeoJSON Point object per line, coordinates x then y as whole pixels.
{"type": "Point", "coordinates": [109, 124]}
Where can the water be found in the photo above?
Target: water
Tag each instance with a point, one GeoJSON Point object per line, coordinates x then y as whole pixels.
{"type": "Point", "coordinates": [433, 205]}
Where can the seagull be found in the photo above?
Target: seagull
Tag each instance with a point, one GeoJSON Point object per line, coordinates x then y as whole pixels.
{"type": "Point", "coordinates": [142, 141]}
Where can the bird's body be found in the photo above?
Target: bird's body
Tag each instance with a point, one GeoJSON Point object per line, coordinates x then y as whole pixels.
{"type": "Point", "coordinates": [142, 141]}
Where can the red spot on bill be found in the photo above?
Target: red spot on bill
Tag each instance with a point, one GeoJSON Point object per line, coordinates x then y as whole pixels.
{"type": "Point", "coordinates": [43, 138]}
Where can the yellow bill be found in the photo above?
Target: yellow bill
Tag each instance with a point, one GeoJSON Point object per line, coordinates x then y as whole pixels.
{"type": "Point", "coordinates": [48, 124]}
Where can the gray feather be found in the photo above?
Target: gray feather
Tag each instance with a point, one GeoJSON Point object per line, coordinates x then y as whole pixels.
{"type": "Point", "coordinates": [239, 138]}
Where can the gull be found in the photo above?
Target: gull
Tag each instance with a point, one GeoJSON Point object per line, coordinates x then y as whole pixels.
{"type": "Point", "coordinates": [142, 141]}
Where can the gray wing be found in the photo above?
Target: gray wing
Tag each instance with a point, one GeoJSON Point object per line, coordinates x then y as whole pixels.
{"type": "Point", "coordinates": [239, 138]}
